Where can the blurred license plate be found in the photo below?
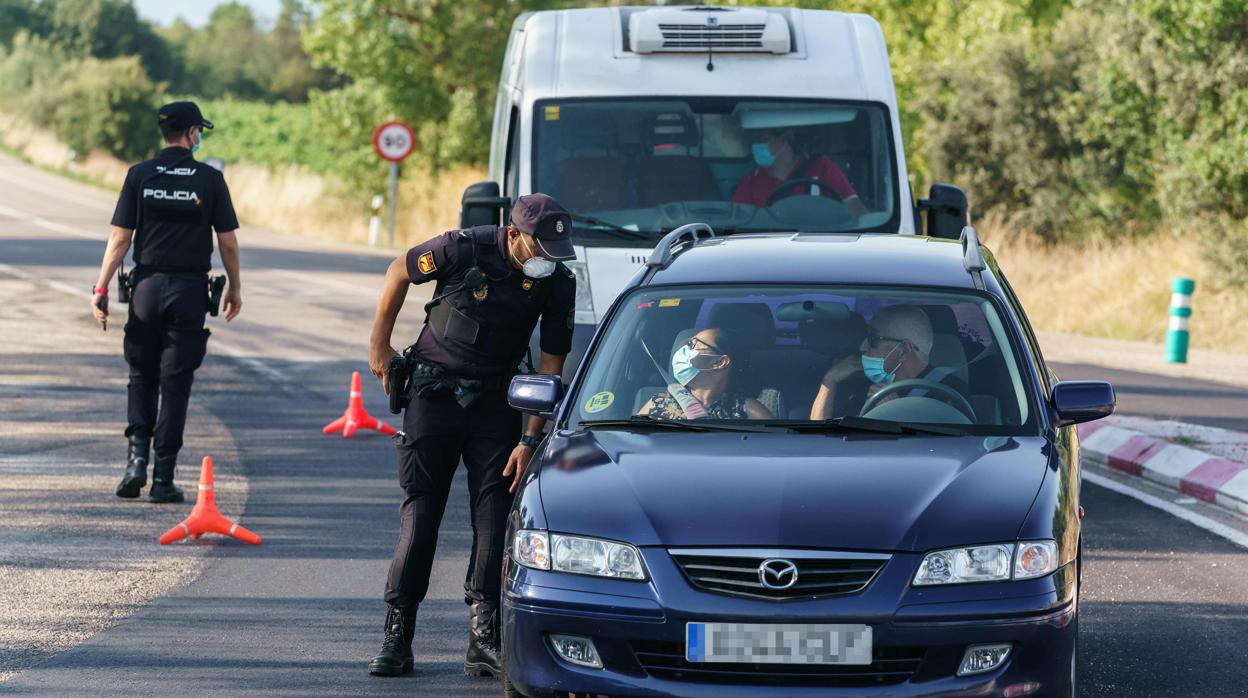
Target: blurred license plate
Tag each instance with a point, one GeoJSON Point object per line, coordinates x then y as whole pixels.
{"type": "Point", "coordinates": [764, 643]}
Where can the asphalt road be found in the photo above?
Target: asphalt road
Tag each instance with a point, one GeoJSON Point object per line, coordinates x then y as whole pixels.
{"type": "Point", "coordinates": [1165, 604]}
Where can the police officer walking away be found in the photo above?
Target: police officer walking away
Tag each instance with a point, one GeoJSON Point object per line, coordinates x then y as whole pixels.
{"type": "Point", "coordinates": [169, 206]}
{"type": "Point", "coordinates": [493, 285]}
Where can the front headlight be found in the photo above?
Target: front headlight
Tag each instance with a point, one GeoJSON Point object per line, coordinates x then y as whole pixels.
{"type": "Point", "coordinates": [982, 563]}
{"type": "Point", "coordinates": [577, 555]}
{"type": "Point", "coordinates": [988, 563]}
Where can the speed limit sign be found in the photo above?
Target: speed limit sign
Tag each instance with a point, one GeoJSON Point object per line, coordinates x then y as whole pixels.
{"type": "Point", "coordinates": [393, 141]}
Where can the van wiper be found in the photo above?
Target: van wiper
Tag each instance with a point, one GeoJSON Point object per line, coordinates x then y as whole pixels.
{"type": "Point", "coordinates": [852, 423]}
{"type": "Point", "coordinates": [642, 420]}
{"type": "Point", "coordinates": [599, 223]}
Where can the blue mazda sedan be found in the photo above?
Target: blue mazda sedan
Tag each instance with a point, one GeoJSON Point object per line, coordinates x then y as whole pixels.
{"type": "Point", "coordinates": [802, 465]}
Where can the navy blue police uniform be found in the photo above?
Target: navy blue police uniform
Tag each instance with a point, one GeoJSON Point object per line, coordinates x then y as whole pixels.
{"type": "Point", "coordinates": [173, 203]}
{"type": "Point", "coordinates": [475, 336]}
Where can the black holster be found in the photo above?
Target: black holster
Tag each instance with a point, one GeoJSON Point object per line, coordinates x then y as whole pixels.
{"type": "Point", "coordinates": [216, 286]}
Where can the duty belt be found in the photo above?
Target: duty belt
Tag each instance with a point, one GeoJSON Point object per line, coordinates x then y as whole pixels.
{"type": "Point", "coordinates": [425, 380]}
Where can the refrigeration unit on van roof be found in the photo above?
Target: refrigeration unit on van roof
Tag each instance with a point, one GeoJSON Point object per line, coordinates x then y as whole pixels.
{"type": "Point", "coordinates": [708, 29]}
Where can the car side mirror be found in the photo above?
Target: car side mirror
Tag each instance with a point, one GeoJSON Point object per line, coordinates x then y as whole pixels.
{"type": "Point", "coordinates": [536, 394]}
{"type": "Point", "coordinates": [1076, 402]}
{"type": "Point", "coordinates": [482, 205]}
{"type": "Point", "coordinates": [947, 211]}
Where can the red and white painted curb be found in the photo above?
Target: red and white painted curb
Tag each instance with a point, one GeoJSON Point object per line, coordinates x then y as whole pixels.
{"type": "Point", "coordinates": [1196, 473]}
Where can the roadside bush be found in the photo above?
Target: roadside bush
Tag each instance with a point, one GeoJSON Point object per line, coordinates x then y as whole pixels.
{"type": "Point", "coordinates": [107, 104]}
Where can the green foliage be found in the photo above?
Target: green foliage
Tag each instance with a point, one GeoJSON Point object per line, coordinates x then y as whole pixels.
{"type": "Point", "coordinates": [233, 56]}
{"type": "Point", "coordinates": [84, 89]}
{"type": "Point", "coordinates": [108, 29]}
{"type": "Point", "coordinates": [275, 135]}
{"type": "Point", "coordinates": [435, 63]}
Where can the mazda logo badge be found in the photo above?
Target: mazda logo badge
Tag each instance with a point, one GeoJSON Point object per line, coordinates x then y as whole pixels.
{"type": "Point", "coordinates": [777, 574]}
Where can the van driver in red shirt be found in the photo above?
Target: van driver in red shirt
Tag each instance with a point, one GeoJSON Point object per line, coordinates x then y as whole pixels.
{"type": "Point", "coordinates": [779, 160]}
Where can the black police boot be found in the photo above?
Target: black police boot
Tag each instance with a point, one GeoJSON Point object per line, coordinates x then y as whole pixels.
{"type": "Point", "coordinates": [484, 648]}
{"type": "Point", "coordinates": [395, 657]}
{"type": "Point", "coordinates": [163, 490]}
{"type": "Point", "coordinates": [135, 478]}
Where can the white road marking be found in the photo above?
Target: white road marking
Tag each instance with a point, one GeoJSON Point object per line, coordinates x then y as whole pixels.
{"type": "Point", "coordinates": [229, 349]}
{"type": "Point", "coordinates": [1217, 528]}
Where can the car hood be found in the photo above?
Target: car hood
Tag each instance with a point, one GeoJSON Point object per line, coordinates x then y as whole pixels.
{"type": "Point", "coordinates": [806, 490]}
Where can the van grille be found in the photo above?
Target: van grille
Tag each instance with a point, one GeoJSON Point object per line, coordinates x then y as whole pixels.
{"type": "Point", "coordinates": [889, 666]}
{"type": "Point", "coordinates": [723, 36]}
{"type": "Point", "coordinates": [737, 572]}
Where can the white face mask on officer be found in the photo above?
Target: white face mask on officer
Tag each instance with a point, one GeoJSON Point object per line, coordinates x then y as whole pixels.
{"type": "Point", "coordinates": [536, 267]}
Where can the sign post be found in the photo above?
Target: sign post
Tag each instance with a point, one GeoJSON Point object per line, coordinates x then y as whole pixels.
{"type": "Point", "coordinates": [393, 141]}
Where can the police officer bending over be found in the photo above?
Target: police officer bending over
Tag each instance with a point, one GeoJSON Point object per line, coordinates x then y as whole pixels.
{"type": "Point", "coordinates": [492, 286]}
{"type": "Point", "coordinates": [169, 206]}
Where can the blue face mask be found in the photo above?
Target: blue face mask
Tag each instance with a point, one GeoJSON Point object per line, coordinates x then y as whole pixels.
{"type": "Point", "coordinates": [873, 368]}
{"type": "Point", "coordinates": [683, 369]}
{"type": "Point", "coordinates": [198, 142]}
{"type": "Point", "coordinates": [762, 155]}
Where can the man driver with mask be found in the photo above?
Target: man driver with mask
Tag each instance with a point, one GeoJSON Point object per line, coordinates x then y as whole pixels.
{"type": "Point", "coordinates": [897, 347]}
{"type": "Point", "coordinates": [779, 160]}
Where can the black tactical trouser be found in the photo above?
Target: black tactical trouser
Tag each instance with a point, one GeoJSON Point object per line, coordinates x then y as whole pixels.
{"type": "Point", "coordinates": [438, 433]}
{"type": "Point", "coordinates": [165, 342]}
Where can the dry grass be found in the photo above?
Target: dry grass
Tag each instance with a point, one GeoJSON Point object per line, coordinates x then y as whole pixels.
{"type": "Point", "coordinates": [290, 200]}
{"type": "Point", "coordinates": [1117, 289]}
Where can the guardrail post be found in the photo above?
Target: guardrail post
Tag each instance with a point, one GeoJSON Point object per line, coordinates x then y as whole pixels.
{"type": "Point", "coordinates": [374, 223]}
{"type": "Point", "coordinates": [1180, 311]}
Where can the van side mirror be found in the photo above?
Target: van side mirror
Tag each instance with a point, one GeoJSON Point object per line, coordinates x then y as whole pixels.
{"type": "Point", "coordinates": [536, 394]}
{"type": "Point", "coordinates": [1076, 402]}
{"type": "Point", "coordinates": [947, 211]}
{"type": "Point", "coordinates": [482, 205]}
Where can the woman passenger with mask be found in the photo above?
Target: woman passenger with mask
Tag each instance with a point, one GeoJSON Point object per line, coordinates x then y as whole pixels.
{"type": "Point", "coordinates": [703, 365]}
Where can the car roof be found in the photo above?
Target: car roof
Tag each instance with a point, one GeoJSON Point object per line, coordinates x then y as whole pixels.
{"type": "Point", "coordinates": [819, 258]}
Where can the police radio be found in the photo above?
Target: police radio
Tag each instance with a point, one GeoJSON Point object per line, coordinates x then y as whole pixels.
{"type": "Point", "coordinates": [216, 285]}
{"type": "Point", "coordinates": [123, 285]}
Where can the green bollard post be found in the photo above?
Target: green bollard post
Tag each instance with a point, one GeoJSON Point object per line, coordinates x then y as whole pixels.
{"type": "Point", "coordinates": [1180, 310]}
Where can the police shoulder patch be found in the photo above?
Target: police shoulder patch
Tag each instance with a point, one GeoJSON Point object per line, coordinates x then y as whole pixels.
{"type": "Point", "coordinates": [426, 264]}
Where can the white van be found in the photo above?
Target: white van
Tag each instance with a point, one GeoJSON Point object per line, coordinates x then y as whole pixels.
{"type": "Point", "coordinates": [642, 119]}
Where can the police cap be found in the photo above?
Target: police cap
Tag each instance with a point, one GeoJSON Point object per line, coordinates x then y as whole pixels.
{"type": "Point", "coordinates": [182, 115]}
{"type": "Point", "coordinates": [549, 223]}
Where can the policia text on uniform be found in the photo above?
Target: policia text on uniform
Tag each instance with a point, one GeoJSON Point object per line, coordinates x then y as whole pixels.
{"type": "Point", "coordinates": [493, 286]}
{"type": "Point", "coordinates": [169, 207]}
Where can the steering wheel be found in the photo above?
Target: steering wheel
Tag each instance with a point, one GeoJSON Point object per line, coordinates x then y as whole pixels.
{"type": "Point", "coordinates": [779, 192]}
{"type": "Point", "coordinates": [943, 392]}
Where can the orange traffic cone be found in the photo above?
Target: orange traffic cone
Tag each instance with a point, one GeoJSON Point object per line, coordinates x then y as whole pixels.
{"type": "Point", "coordinates": [355, 417]}
{"type": "Point", "coordinates": [205, 518]}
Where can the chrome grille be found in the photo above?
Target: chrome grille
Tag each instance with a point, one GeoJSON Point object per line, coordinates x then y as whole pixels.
{"type": "Point", "coordinates": [889, 666]}
{"type": "Point", "coordinates": [712, 36]}
{"type": "Point", "coordinates": [819, 573]}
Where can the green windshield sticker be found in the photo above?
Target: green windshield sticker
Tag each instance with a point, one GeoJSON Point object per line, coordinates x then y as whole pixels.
{"type": "Point", "coordinates": [599, 402]}
{"type": "Point", "coordinates": [669, 302]}
{"type": "Point", "coordinates": [552, 113]}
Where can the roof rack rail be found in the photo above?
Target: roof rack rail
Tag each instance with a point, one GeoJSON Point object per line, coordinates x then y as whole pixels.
{"type": "Point", "coordinates": [972, 258]}
{"type": "Point", "coordinates": [666, 250]}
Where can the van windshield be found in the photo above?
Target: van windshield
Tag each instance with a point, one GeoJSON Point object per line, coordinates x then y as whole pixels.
{"type": "Point", "coordinates": [636, 168]}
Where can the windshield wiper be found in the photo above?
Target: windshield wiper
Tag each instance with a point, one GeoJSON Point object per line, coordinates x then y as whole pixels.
{"type": "Point", "coordinates": [598, 222]}
{"type": "Point", "coordinates": [852, 423]}
{"type": "Point", "coordinates": [642, 420]}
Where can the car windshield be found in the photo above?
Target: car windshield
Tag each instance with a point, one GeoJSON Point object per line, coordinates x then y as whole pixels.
{"type": "Point", "coordinates": [894, 360]}
{"type": "Point", "coordinates": [636, 168]}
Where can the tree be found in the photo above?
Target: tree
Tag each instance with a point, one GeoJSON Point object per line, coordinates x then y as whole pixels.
{"type": "Point", "coordinates": [109, 29]}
